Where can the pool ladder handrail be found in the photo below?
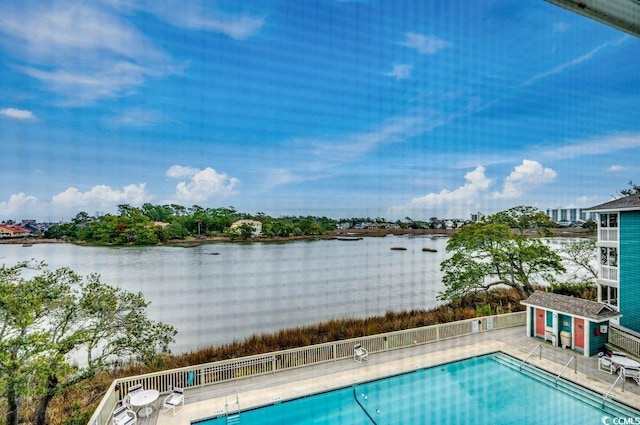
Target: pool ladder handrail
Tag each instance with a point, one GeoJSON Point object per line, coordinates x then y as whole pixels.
{"type": "Point", "coordinates": [575, 367]}
{"type": "Point", "coordinates": [539, 346]}
{"type": "Point", "coordinates": [620, 376]}
{"type": "Point", "coordinates": [233, 418]}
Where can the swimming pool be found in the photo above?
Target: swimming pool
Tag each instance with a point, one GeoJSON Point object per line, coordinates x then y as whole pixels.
{"type": "Point", "coordinates": [482, 390]}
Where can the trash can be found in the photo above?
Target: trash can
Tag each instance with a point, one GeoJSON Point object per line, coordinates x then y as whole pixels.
{"type": "Point", "coordinates": [565, 339]}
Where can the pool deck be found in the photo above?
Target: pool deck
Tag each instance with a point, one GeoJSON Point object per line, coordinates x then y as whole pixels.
{"type": "Point", "coordinates": [208, 402]}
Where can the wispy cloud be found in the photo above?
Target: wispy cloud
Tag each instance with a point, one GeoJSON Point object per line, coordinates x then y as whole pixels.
{"type": "Point", "coordinates": [198, 15]}
{"type": "Point", "coordinates": [89, 51]}
{"type": "Point", "coordinates": [562, 67]}
{"type": "Point", "coordinates": [80, 51]}
{"type": "Point", "coordinates": [139, 117]}
{"type": "Point", "coordinates": [425, 44]}
{"type": "Point", "coordinates": [615, 169]}
{"type": "Point", "coordinates": [18, 114]}
{"type": "Point", "coordinates": [400, 72]}
{"type": "Point", "coordinates": [596, 146]}
{"type": "Point", "coordinates": [560, 27]}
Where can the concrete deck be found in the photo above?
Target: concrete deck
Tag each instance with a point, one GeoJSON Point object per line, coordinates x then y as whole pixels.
{"type": "Point", "coordinates": [208, 402]}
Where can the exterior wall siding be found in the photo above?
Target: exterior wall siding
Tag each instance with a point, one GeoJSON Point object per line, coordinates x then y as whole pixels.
{"type": "Point", "coordinates": [629, 265]}
{"type": "Point", "coordinates": [596, 339]}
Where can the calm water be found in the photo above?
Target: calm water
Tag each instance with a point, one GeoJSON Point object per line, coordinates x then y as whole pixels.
{"type": "Point", "coordinates": [256, 288]}
{"type": "Point", "coordinates": [478, 391]}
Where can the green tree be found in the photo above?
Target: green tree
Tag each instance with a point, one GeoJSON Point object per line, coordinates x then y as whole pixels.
{"type": "Point", "coordinates": [47, 317]}
{"type": "Point", "coordinates": [581, 254]}
{"type": "Point", "coordinates": [484, 255]}
{"type": "Point", "coordinates": [524, 218]}
{"type": "Point", "coordinates": [632, 190]}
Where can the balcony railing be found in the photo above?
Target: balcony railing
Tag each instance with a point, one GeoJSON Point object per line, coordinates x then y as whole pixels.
{"type": "Point", "coordinates": [625, 340]}
{"type": "Point", "coordinates": [609, 273]}
{"type": "Point", "coordinates": [228, 370]}
{"type": "Point", "coordinates": [608, 235]}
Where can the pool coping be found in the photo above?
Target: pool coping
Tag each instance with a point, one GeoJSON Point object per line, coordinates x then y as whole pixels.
{"type": "Point", "coordinates": [371, 370]}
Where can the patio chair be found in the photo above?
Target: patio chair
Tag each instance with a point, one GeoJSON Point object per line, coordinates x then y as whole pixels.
{"type": "Point", "coordinates": [632, 373]}
{"type": "Point", "coordinates": [173, 400]}
{"type": "Point", "coordinates": [605, 364]}
{"type": "Point", "coordinates": [359, 353]}
{"type": "Point", "coordinates": [124, 416]}
{"type": "Point", "coordinates": [132, 390]}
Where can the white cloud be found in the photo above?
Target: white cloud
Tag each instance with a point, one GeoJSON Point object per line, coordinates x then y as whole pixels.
{"type": "Point", "coordinates": [99, 198]}
{"type": "Point", "coordinates": [202, 185]}
{"type": "Point", "coordinates": [615, 168]}
{"type": "Point", "coordinates": [596, 146]}
{"type": "Point", "coordinates": [400, 72]}
{"type": "Point", "coordinates": [474, 195]}
{"type": "Point", "coordinates": [18, 114]}
{"type": "Point", "coordinates": [528, 175]}
{"type": "Point", "coordinates": [457, 203]}
{"type": "Point", "coordinates": [178, 171]}
{"type": "Point", "coordinates": [68, 203]}
{"type": "Point", "coordinates": [425, 44]}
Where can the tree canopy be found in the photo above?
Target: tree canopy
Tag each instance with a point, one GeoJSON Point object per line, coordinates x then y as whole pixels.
{"type": "Point", "coordinates": [58, 329]}
{"type": "Point", "coordinates": [524, 218]}
{"type": "Point", "coordinates": [487, 254]}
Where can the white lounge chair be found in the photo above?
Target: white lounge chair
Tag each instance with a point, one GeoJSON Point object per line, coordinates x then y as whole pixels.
{"type": "Point", "coordinates": [359, 353]}
{"type": "Point", "coordinates": [124, 416]}
{"type": "Point", "coordinates": [173, 400]}
{"type": "Point", "coordinates": [605, 364]}
{"type": "Point", "coordinates": [631, 373]}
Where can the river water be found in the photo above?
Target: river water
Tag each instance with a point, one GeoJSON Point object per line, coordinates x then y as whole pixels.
{"type": "Point", "coordinates": [218, 293]}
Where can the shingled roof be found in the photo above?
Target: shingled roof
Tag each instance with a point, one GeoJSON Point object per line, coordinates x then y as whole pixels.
{"type": "Point", "coordinates": [594, 311]}
{"type": "Point", "coordinates": [628, 203]}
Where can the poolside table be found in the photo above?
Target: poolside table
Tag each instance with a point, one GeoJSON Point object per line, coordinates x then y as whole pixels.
{"type": "Point", "coordinates": [625, 362]}
{"type": "Point", "coordinates": [143, 399]}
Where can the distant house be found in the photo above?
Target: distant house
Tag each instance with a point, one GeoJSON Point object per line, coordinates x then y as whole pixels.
{"type": "Point", "coordinates": [161, 224]}
{"type": "Point", "coordinates": [13, 231]}
{"type": "Point", "coordinates": [257, 227]}
{"type": "Point", "coordinates": [619, 257]}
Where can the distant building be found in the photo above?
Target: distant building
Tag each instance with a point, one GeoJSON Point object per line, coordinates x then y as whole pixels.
{"type": "Point", "coordinates": [476, 217]}
{"type": "Point", "coordinates": [257, 226]}
{"type": "Point", "coordinates": [13, 231]}
{"type": "Point", "coordinates": [570, 216]}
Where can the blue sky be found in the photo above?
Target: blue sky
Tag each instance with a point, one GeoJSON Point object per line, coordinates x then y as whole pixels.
{"type": "Point", "coordinates": [338, 108]}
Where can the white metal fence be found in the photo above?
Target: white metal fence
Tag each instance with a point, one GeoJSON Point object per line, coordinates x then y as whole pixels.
{"type": "Point", "coordinates": [228, 370]}
{"type": "Point", "coordinates": [625, 340]}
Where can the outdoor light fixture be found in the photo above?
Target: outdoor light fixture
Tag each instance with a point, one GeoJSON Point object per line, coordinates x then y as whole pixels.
{"type": "Point", "coordinates": [621, 14]}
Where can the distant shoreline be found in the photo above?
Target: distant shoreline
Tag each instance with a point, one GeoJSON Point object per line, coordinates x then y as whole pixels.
{"type": "Point", "coordinates": [571, 232]}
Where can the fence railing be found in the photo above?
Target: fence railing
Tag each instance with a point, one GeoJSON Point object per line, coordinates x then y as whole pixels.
{"type": "Point", "coordinates": [228, 370]}
{"type": "Point", "coordinates": [625, 340]}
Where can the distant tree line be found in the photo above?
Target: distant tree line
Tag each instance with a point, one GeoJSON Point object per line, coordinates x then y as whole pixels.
{"type": "Point", "coordinates": [141, 226]}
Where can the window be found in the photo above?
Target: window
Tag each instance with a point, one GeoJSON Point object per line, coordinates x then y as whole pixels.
{"type": "Point", "coordinates": [609, 256]}
{"type": "Point", "coordinates": [608, 220]}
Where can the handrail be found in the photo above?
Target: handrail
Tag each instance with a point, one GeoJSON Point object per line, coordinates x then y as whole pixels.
{"type": "Point", "coordinates": [575, 367]}
{"type": "Point", "coordinates": [355, 397]}
{"type": "Point", "coordinates": [530, 353]}
{"type": "Point", "coordinates": [611, 389]}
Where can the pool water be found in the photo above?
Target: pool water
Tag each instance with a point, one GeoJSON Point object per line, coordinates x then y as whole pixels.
{"type": "Point", "coordinates": [480, 390]}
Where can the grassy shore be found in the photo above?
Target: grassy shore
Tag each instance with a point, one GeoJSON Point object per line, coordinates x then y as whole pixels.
{"type": "Point", "coordinates": [76, 406]}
